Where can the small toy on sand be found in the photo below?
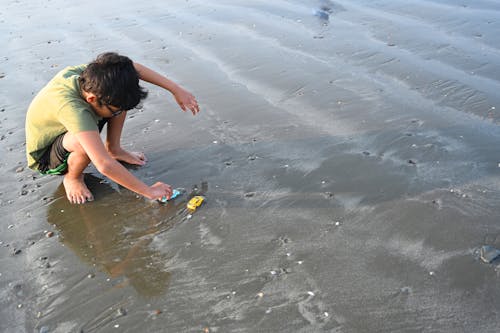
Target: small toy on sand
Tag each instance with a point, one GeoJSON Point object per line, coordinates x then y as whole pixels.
{"type": "Point", "coordinates": [195, 202]}
{"type": "Point", "coordinates": [175, 193]}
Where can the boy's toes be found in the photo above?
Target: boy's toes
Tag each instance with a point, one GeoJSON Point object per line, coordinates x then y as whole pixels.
{"type": "Point", "coordinates": [76, 191]}
{"type": "Point", "coordinates": [72, 199]}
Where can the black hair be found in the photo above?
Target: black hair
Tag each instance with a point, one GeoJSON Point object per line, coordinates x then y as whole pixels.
{"type": "Point", "coordinates": [114, 81]}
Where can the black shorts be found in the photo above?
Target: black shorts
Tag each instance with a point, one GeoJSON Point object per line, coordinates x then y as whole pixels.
{"type": "Point", "coordinates": [55, 159]}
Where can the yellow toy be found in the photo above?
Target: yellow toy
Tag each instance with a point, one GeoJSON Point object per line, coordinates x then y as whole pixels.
{"type": "Point", "coordinates": [195, 202]}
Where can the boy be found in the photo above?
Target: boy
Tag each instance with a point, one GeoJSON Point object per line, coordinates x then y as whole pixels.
{"type": "Point", "coordinates": [65, 118]}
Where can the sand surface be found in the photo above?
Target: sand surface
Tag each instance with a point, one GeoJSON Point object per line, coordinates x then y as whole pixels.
{"type": "Point", "coordinates": [348, 151]}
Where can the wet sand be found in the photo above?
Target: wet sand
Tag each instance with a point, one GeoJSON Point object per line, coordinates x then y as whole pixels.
{"type": "Point", "coordinates": [348, 152]}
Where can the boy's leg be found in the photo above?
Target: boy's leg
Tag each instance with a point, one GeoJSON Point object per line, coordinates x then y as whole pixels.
{"type": "Point", "coordinates": [76, 190]}
{"type": "Point", "coordinates": [113, 137]}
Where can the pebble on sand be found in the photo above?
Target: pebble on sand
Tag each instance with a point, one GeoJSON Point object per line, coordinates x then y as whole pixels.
{"type": "Point", "coordinates": [489, 253]}
{"type": "Point", "coordinates": [49, 234]}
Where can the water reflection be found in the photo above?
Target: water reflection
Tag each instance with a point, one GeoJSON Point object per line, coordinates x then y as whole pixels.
{"type": "Point", "coordinates": [114, 233]}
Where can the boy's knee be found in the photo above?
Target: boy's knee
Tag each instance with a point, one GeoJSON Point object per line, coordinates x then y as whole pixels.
{"type": "Point", "coordinates": [71, 144]}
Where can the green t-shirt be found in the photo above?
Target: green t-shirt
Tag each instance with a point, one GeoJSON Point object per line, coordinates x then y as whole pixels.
{"type": "Point", "coordinates": [58, 108]}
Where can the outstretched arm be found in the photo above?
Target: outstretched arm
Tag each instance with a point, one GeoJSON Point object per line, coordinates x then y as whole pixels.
{"type": "Point", "coordinates": [183, 97]}
{"type": "Point", "coordinates": [93, 146]}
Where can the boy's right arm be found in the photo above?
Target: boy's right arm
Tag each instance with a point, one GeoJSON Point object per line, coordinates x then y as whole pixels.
{"type": "Point", "coordinates": [92, 144]}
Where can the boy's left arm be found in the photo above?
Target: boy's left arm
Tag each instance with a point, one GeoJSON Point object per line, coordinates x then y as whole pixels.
{"type": "Point", "coordinates": [183, 97]}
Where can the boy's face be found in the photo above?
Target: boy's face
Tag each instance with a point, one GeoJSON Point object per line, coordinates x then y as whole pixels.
{"type": "Point", "coordinates": [115, 112]}
{"type": "Point", "coordinates": [103, 110]}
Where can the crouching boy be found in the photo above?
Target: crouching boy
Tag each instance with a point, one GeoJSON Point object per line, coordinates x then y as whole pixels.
{"type": "Point", "coordinates": [64, 120]}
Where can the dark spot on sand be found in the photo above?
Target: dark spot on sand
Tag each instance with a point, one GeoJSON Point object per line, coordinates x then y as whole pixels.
{"type": "Point", "coordinates": [16, 251]}
{"type": "Point", "coordinates": [391, 44]}
{"type": "Point", "coordinates": [286, 270]}
{"type": "Point", "coordinates": [322, 15]}
{"type": "Point", "coordinates": [366, 153]}
{"type": "Point", "coordinates": [249, 194]}
{"type": "Point", "coordinates": [405, 290]}
{"type": "Point", "coordinates": [412, 162]}
{"type": "Point", "coordinates": [18, 290]}
{"type": "Point", "coordinates": [282, 240]}
{"type": "Point", "coordinates": [228, 163]}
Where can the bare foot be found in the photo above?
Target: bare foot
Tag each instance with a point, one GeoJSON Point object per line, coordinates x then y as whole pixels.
{"type": "Point", "coordinates": [76, 190]}
{"type": "Point", "coordinates": [135, 158]}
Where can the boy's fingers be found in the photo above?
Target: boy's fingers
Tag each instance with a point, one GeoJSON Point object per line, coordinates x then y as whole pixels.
{"type": "Point", "coordinates": [194, 108]}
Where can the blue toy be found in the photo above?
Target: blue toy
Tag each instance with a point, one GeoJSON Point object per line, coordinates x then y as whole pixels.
{"type": "Point", "coordinates": [175, 194]}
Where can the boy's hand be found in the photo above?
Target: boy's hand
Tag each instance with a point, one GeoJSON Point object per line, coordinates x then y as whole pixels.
{"type": "Point", "coordinates": [186, 100]}
{"type": "Point", "coordinates": [183, 97]}
{"type": "Point", "coordinates": [159, 190]}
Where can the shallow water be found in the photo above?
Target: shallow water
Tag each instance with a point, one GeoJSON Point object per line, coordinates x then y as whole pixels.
{"type": "Point", "coordinates": [349, 165]}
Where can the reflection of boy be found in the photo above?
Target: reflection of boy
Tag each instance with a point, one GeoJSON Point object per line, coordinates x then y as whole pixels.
{"type": "Point", "coordinates": [64, 120]}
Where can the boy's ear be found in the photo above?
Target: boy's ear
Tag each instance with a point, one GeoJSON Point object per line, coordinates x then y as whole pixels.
{"type": "Point", "coordinates": [90, 98]}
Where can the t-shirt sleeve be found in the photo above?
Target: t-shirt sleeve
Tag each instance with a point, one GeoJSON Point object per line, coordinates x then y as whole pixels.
{"type": "Point", "coordinates": [74, 70]}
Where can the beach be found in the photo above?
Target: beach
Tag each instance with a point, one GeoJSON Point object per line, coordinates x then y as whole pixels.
{"type": "Point", "coordinates": [348, 153]}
